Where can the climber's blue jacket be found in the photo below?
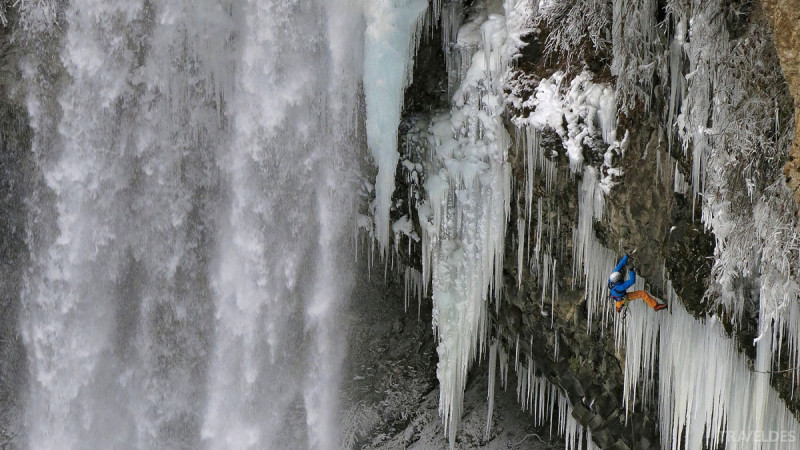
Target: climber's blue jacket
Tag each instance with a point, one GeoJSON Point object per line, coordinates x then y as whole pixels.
{"type": "Point", "coordinates": [619, 288]}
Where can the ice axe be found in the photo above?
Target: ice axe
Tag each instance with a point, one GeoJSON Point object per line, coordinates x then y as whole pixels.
{"type": "Point", "coordinates": [630, 257]}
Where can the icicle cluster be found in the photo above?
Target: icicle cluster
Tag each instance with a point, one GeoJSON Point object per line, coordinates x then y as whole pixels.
{"type": "Point", "coordinates": [577, 113]}
{"type": "Point", "coordinates": [708, 395]}
{"type": "Point", "coordinates": [724, 149]}
{"type": "Point", "coordinates": [468, 188]}
{"type": "Point", "coordinates": [413, 288]}
{"type": "Point", "coordinates": [542, 399]}
{"type": "Point", "coordinates": [469, 199]}
{"type": "Point", "coordinates": [729, 109]}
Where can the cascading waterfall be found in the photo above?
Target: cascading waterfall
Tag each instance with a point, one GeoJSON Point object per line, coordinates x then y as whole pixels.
{"type": "Point", "coordinates": [189, 226]}
{"type": "Point", "coordinates": [277, 273]}
{"type": "Point", "coordinates": [194, 199]}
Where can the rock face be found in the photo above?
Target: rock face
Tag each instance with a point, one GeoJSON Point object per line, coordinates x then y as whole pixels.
{"type": "Point", "coordinates": [646, 209]}
{"type": "Point", "coordinates": [15, 173]}
{"type": "Point", "coordinates": [642, 212]}
{"type": "Point", "coordinates": [784, 15]}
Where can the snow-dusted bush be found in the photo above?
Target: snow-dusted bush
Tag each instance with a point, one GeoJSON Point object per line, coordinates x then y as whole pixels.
{"type": "Point", "coordinates": [638, 49]}
{"type": "Point", "coordinates": [735, 120]}
{"type": "Point", "coordinates": [576, 28]}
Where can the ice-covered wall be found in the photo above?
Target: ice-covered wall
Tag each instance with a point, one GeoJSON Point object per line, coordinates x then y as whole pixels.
{"type": "Point", "coordinates": [464, 217]}
{"type": "Point", "coordinates": [665, 61]}
{"type": "Point", "coordinates": [737, 123]}
{"type": "Point", "coordinates": [708, 393]}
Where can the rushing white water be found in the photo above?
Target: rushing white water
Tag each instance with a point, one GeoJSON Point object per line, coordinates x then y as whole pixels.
{"type": "Point", "coordinates": [277, 275]}
{"type": "Point", "coordinates": [188, 230]}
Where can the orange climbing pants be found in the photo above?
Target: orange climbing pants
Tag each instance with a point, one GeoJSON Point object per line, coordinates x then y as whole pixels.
{"type": "Point", "coordinates": [636, 295]}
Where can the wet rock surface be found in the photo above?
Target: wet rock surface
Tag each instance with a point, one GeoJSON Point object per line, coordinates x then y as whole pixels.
{"type": "Point", "coordinates": [644, 211]}
{"type": "Point", "coordinates": [784, 16]}
{"type": "Point", "coordinates": [390, 391]}
{"type": "Point", "coordinates": [15, 174]}
{"type": "Point", "coordinates": [391, 365]}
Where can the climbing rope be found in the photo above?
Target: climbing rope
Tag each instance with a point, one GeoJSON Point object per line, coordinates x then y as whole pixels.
{"type": "Point", "coordinates": [777, 371]}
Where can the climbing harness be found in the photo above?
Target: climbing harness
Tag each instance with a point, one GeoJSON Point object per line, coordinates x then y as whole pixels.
{"type": "Point", "coordinates": [624, 308]}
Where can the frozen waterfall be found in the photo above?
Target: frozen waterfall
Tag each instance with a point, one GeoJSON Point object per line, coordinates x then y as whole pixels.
{"type": "Point", "coordinates": [193, 208]}
{"type": "Point", "coordinates": [200, 171]}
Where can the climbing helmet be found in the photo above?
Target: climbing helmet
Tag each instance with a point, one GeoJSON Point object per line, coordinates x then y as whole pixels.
{"type": "Point", "coordinates": [615, 277]}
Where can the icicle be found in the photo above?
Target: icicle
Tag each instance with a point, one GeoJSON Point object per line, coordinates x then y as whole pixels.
{"type": "Point", "coordinates": [520, 250]}
{"type": "Point", "coordinates": [534, 149]}
{"type": "Point", "coordinates": [468, 183]}
{"type": "Point", "coordinates": [391, 39]}
{"type": "Point", "coordinates": [492, 377]}
{"type": "Point", "coordinates": [504, 367]}
{"type": "Point", "coordinates": [545, 278]}
{"type": "Point", "coordinates": [538, 247]}
{"type": "Point", "coordinates": [707, 393]}
{"type": "Point", "coordinates": [413, 287]}
{"type": "Point", "coordinates": [677, 81]}
{"type": "Point", "coordinates": [555, 345]}
{"type": "Point", "coordinates": [553, 295]}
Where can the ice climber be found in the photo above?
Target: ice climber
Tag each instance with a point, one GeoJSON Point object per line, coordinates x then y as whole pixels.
{"type": "Point", "coordinates": [617, 287]}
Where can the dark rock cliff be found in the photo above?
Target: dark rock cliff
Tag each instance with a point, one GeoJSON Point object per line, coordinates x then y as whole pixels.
{"type": "Point", "coordinates": [643, 211]}
{"type": "Point", "coordinates": [16, 170]}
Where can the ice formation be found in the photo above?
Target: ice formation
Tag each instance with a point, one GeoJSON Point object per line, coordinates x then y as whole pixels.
{"type": "Point", "coordinates": [546, 404]}
{"type": "Point", "coordinates": [690, 402]}
{"type": "Point", "coordinates": [745, 204]}
{"type": "Point", "coordinates": [702, 402]}
{"type": "Point", "coordinates": [393, 30]}
{"type": "Point", "coordinates": [587, 108]}
{"type": "Point", "coordinates": [413, 288]}
{"type": "Point", "coordinates": [707, 392]}
{"type": "Point", "coordinates": [575, 113]}
{"type": "Point", "coordinates": [714, 398]}
{"type": "Point", "coordinates": [468, 198]}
